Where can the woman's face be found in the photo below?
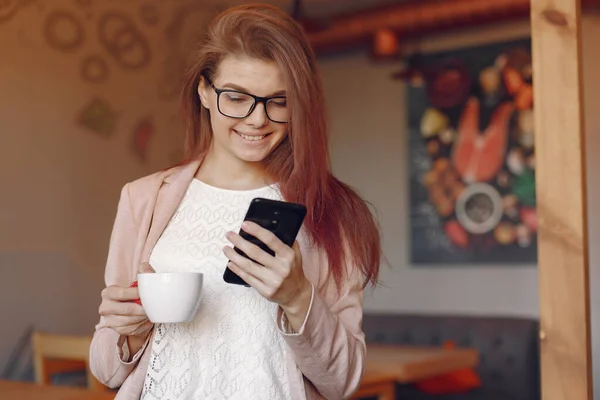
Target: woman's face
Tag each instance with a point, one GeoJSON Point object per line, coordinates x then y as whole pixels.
{"type": "Point", "coordinates": [254, 137]}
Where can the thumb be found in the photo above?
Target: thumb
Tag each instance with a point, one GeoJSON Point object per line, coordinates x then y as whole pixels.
{"type": "Point", "coordinates": [145, 268]}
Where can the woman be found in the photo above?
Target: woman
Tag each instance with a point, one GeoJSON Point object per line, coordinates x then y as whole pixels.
{"type": "Point", "coordinates": [256, 127]}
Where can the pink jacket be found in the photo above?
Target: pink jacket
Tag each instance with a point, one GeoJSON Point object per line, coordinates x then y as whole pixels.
{"type": "Point", "coordinates": [326, 358]}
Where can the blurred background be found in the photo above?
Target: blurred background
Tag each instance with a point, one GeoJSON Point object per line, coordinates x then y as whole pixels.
{"type": "Point", "coordinates": [89, 101]}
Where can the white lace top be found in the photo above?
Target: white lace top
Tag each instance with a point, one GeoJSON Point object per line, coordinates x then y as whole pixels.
{"type": "Point", "coordinates": [232, 349]}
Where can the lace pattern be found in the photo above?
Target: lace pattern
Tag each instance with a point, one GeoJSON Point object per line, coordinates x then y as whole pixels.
{"type": "Point", "coordinates": [232, 349]}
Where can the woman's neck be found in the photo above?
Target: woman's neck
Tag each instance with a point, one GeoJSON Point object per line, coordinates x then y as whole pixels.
{"type": "Point", "coordinates": [228, 172]}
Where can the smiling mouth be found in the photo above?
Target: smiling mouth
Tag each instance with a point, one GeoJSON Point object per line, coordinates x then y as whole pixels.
{"type": "Point", "coordinates": [252, 138]}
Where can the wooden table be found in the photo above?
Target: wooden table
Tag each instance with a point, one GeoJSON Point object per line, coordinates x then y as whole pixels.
{"type": "Point", "coordinates": [10, 390]}
{"type": "Point", "coordinates": [386, 365]}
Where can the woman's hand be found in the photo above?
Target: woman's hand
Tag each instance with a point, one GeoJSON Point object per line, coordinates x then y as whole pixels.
{"type": "Point", "coordinates": [124, 315]}
{"type": "Point", "coordinates": [278, 278]}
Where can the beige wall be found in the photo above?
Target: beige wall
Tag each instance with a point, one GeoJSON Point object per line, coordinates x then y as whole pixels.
{"type": "Point", "coordinates": [60, 181]}
{"type": "Point", "coordinates": [62, 176]}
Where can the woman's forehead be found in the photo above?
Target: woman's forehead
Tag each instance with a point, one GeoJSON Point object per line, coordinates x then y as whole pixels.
{"type": "Point", "coordinates": [257, 76]}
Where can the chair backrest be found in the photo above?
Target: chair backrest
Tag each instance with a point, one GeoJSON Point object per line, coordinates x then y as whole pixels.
{"type": "Point", "coordinates": [53, 354]}
{"type": "Point", "coordinates": [508, 346]}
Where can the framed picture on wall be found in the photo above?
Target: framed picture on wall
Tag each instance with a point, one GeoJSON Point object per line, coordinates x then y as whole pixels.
{"type": "Point", "coordinates": [471, 156]}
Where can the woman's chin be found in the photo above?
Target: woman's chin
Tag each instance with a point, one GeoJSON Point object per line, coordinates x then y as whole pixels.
{"type": "Point", "coordinates": [252, 156]}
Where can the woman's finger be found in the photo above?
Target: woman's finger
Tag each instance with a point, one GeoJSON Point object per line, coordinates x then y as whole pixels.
{"type": "Point", "coordinates": [249, 278]}
{"type": "Point", "coordinates": [265, 236]}
{"type": "Point", "coordinates": [250, 249]}
{"type": "Point", "coordinates": [146, 268]}
{"type": "Point", "coordinates": [140, 328]}
{"type": "Point", "coordinates": [109, 307]}
{"type": "Point", "coordinates": [250, 267]}
{"type": "Point", "coordinates": [119, 321]}
{"type": "Point", "coordinates": [120, 293]}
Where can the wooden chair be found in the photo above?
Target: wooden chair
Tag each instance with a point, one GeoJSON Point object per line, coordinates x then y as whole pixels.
{"type": "Point", "coordinates": [54, 354]}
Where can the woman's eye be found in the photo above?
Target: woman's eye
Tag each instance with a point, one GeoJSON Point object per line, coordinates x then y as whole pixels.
{"type": "Point", "coordinates": [235, 98]}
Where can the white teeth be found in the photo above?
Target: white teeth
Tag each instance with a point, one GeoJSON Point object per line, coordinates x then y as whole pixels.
{"type": "Point", "coordinates": [252, 138]}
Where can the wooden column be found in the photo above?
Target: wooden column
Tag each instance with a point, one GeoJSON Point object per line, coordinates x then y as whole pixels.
{"type": "Point", "coordinates": [561, 199]}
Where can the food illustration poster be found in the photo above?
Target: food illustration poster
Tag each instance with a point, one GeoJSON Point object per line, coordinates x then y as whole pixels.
{"type": "Point", "coordinates": [471, 155]}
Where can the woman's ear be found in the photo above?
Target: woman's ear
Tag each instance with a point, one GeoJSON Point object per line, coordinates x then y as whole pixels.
{"type": "Point", "coordinates": [203, 92]}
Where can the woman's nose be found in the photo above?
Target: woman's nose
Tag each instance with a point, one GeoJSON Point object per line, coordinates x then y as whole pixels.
{"type": "Point", "coordinates": [258, 117]}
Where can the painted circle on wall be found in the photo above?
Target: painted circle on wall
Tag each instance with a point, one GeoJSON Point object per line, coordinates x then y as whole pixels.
{"type": "Point", "coordinates": [94, 69]}
{"type": "Point", "coordinates": [125, 43]}
{"type": "Point", "coordinates": [479, 208]}
{"type": "Point", "coordinates": [63, 31]}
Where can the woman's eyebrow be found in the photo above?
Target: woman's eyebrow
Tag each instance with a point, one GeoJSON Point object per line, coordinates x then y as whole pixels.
{"type": "Point", "coordinates": [242, 89]}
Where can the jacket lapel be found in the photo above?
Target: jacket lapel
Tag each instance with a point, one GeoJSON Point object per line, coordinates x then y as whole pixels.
{"type": "Point", "coordinates": [168, 198]}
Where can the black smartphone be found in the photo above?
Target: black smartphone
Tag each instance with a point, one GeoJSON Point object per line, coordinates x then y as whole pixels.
{"type": "Point", "coordinates": [282, 218]}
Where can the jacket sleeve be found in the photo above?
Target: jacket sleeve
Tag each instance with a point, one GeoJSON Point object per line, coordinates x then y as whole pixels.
{"type": "Point", "coordinates": [329, 348]}
{"type": "Point", "coordinates": [110, 361]}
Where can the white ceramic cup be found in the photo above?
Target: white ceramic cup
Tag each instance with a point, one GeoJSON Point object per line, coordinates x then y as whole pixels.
{"type": "Point", "coordinates": [171, 297]}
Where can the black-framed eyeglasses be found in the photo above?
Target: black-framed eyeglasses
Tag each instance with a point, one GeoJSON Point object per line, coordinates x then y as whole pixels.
{"type": "Point", "coordinates": [235, 104]}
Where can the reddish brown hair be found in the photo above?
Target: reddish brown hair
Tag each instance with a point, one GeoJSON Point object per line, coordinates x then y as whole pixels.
{"type": "Point", "coordinates": [338, 220]}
